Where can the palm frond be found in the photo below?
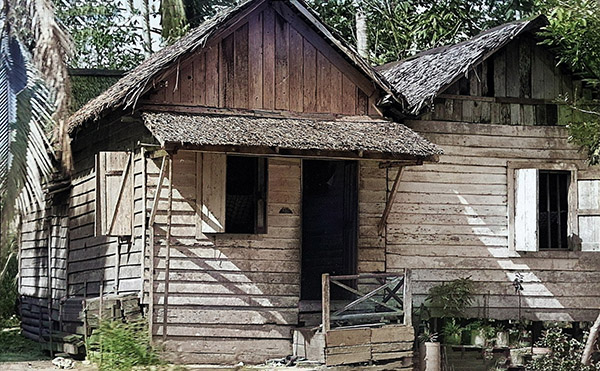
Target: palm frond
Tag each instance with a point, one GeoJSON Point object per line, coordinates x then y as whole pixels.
{"type": "Point", "coordinates": [26, 107]}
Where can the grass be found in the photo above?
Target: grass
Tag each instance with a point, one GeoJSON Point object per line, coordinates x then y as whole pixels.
{"type": "Point", "coordinates": [122, 346]}
{"type": "Point", "coordinates": [15, 347]}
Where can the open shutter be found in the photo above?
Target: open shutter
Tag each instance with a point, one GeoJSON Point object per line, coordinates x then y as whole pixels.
{"type": "Point", "coordinates": [588, 206]}
{"type": "Point", "coordinates": [211, 179]}
{"type": "Point", "coordinates": [114, 194]}
{"type": "Point", "coordinates": [261, 196]}
{"type": "Point", "coordinates": [526, 210]}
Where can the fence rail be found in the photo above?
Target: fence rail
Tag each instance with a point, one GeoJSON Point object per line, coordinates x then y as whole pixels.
{"type": "Point", "coordinates": [391, 298]}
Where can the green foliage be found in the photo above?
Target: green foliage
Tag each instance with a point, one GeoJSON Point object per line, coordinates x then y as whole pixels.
{"type": "Point", "coordinates": [586, 135]}
{"type": "Point", "coordinates": [16, 348]}
{"type": "Point", "coordinates": [450, 299]}
{"type": "Point", "coordinates": [121, 346]}
{"type": "Point", "coordinates": [8, 291]}
{"type": "Point", "coordinates": [103, 36]}
{"type": "Point", "coordinates": [575, 30]}
{"type": "Point", "coordinates": [398, 29]}
{"type": "Point", "coordinates": [86, 88]}
{"type": "Point", "coordinates": [565, 353]}
{"type": "Point", "coordinates": [197, 11]}
{"type": "Point", "coordinates": [452, 332]}
{"type": "Point", "coordinates": [174, 21]}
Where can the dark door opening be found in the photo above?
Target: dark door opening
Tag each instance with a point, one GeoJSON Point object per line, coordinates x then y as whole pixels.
{"type": "Point", "coordinates": [329, 223]}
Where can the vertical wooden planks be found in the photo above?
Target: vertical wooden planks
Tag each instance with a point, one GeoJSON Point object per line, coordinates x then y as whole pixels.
{"type": "Point", "coordinates": [173, 91]}
{"type": "Point", "coordinates": [226, 72]}
{"type": "Point", "coordinates": [255, 61]}
{"type": "Point", "coordinates": [323, 83]}
{"type": "Point", "coordinates": [512, 66]}
{"type": "Point", "coordinates": [268, 58]}
{"type": "Point", "coordinates": [525, 68]}
{"type": "Point", "coordinates": [241, 67]}
{"type": "Point", "coordinates": [363, 101]}
{"type": "Point", "coordinates": [200, 79]}
{"type": "Point", "coordinates": [186, 80]}
{"type": "Point", "coordinates": [310, 77]}
{"type": "Point", "coordinates": [500, 74]}
{"type": "Point", "coordinates": [348, 96]}
{"type": "Point", "coordinates": [282, 87]}
{"type": "Point", "coordinates": [212, 76]}
{"type": "Point", "coordinates": [336, 90]}
{"type": "Point", "coordinates": [296, 71]}
{"type": "Point", "coordinates": [537, 74]}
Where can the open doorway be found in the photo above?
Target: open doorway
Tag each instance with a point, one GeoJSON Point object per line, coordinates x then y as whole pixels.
{"type": "Point", "coordinates": [329, 223]}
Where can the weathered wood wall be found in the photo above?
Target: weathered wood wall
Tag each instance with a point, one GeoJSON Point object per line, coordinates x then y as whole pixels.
{"type": "Point", "coordinates": [231, 297]}
{"type": "Point", "coordinates": [41, 228]}
{"type": "Point", "coordinates": [269, 60]}
{"type": "Point", "coordinates": [101, 260]}
{"type": "Point", "coordinates": [450, 220]}
{"type": "Point", "coordinates": [518, 85]}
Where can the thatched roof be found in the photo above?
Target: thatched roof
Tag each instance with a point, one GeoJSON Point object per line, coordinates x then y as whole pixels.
{"type": "Point", "coordinates": [126, 91]}
{"type": "Point", "coordinates": [424, 76]}
{"type": "Point", "coordinates": [359, 134]}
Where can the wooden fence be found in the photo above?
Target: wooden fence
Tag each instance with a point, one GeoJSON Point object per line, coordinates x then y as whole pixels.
{"type": "Point", "coordinates": [387, 297]}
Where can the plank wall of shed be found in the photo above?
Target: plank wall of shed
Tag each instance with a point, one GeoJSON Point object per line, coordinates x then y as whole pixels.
{"type": "Point", "coordinates": [230, 297]}
{"type": "Point", "coordinates": [269, 60]}
{"type": "Point", "coordinates": [450, 221]}
{"type": "Point", "coordinates": [93, 259]}
{"type": "Point", "coordinates": [520, 84]}
{"type": "Point", "coordinates": [33, 267]}
{"type": "Point", "coordinates": [235, 297]}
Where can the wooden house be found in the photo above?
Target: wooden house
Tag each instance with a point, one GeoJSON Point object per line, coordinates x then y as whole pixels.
{"type": "Point", "coordinates": [218, 181]}
{"type": "Point", "coordinates": [511, 198]}
{"type": "Point", "coordinates": [222, 177]}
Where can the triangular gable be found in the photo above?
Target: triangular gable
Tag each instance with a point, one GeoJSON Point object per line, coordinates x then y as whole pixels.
{"type": "Point", "coordinates": [152, 73]}
{"type": "Point", "coordinates": [423, 77]}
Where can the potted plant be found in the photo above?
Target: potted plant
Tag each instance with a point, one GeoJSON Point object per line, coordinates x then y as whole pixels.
{"type": "Point", "coordinates": [502, 337]}
{"type": "Point", "coordinates": [476, 334]}
{"type": "Point", "coordinates": [452, 332]}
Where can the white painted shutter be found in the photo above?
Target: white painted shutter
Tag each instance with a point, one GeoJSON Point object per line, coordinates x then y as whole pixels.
{"type": "Point", "coordinates": [588, 206]}
{"type": "Point", "coordinates": [210, 192]}
{"type": "Point", "coordinates": [526, 210]}
{"type": "Point", "coordinates": [114, 194]}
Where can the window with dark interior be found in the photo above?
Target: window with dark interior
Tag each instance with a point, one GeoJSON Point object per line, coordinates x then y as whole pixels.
{"type": "Point", "coordinates": [245, 200]}
{"type": "Point", "coordinates": [553, 210]}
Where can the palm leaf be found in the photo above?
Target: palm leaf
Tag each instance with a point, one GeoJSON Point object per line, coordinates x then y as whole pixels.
{"type": "Point", "coordinates": [25, 108]}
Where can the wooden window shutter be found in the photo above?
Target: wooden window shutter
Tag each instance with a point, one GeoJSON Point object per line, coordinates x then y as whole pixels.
{"type": "Point", "coordinates": [114, 194]}
{"type": "Point", "coordinates": [210, 192]}
{"type": "Point", "coordinates": [588, 210]}
{"type": "Point", "coordinates": [526, 210]}
{"type": "Point", "coordinates": [261, 199]}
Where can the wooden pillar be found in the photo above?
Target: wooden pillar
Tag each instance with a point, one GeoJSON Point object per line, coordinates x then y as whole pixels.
{"type": "Point", "coordinates": [168, 247]}
{"type": "Point", "coordinates": [325, 301]}
{"type": "Point", "coordinates": [407, 297]}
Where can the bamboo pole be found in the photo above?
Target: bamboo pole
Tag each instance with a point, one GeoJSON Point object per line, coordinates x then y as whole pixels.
{"type": "Point", "coordinates": [589, 345]}
{"type": "Point", "coordinates": [168, 252]}
{"type": "Point", "coordinates": [325, 302]}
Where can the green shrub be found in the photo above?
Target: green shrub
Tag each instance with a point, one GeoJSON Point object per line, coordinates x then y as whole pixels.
{"type": "Point", "coordinates": [450, 299]}
{"type": "Point", "coordinates": [565, 353]}
{"type": "Point", "coordinates": [121, 346]}
{"type": "Point", "coordinates": [8, 292]}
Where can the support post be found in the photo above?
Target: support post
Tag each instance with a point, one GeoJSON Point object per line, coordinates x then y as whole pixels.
{"type": "Point", "coordinates": [390, 202]}
{"type": "Point", "coordinates": [168, 252]}
{"type": "Point", "coordinates": [407, 298]}
{"type": "Point", "coordinates": [325, 302]}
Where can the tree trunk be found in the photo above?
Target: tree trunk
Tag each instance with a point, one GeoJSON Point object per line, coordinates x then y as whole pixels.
{"type": "Point", "coordinates": [589, 345]}
{"type": "Point", "coordinates": [361, 30]}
